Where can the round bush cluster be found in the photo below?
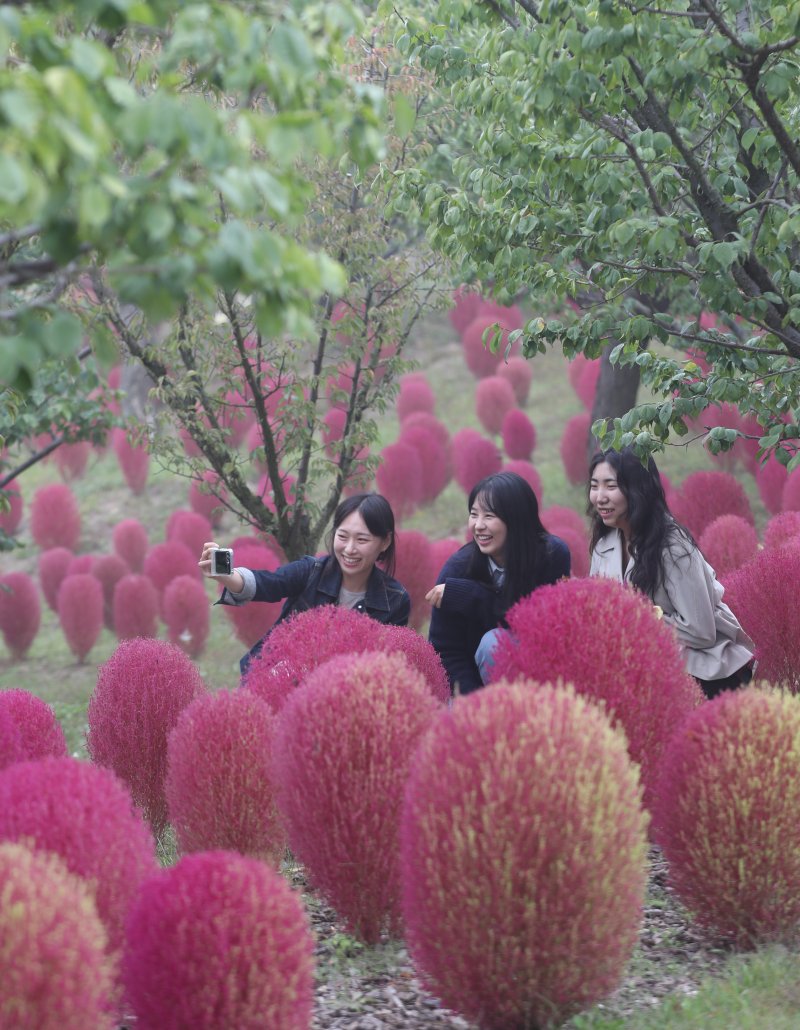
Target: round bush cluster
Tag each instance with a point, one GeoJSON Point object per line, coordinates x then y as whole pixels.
{"type": "Point", "coordinates": [108, 570]}
{"type": "Point", "coordinates": [10, 740]}
{"type": "Point", "coordinates": [474, 457]}
{"type": "Point", "coordinates": [399, 478]}
{"type": "Point", "coordinates": [494, 399]}
{"type": "Point", "coordinates": [20, 612]}
{"type": "Point", "coordinates": [53, 964]}
{"type": "Point", "coordinates": [80, 612]}
{"type": "Point", "coordinates": [187, 614]}
{"type": "Point", "coordinates": [165, 562]}
{"type": "Point", "coordinates": [134, 461]}
{"type": "Point", "coordinates": [218, 787]}
{"type": "Point", "coordinates": [726, 815]}
{"type": "Point", "coordinates": [134, 607]}
{"type": "Point", "coordinates": [466, 304]}
{"type": "Point", "coordinates": [783, 528]}
{"type": "Point", "coordinates": [523, 846]}
{"type": "Point", "coordinates": [434, 459]}
{"type": "Point", "coordinates": [728, 542]}
{"type": "Point", "coordinates": [790, 497]}
{"type": "Point", "coordinates": [559, 515]}
{"type": "Point", "coordinates": [219, 941]}
{"type": "Point", "coordinates": [189, 528]}
{"type": "Point", "coordinates": [704, 496]}
{"type": "Point", "coordinates": [583, 376]}
{"type": "Point", "coordinates": [519, 435]}
{"type": "Point", "coordinates": [129, 538]}
{"type": "Point", "coordinates": [443, 549]}
{"type": "Point", "coordinates": [342, 748]}
{"type": "Point", "coordinates": [71, 459]}
{"type": "Point", "coordinates": [140, 692]}
{"type": "Point", "coordinates": [528, 472]}
{"type": "Point", "coordinates": [40, 733]}
{"type": "Point", "coordinates": [578, 549]}
{"type": "Point", "coordinates": [415, 394]}
{"type": "Point", "coordinates": [480, 359]}
{"type": "Point", "coordinates": [54, 519]}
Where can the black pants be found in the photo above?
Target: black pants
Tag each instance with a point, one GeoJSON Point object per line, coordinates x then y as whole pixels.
{"type": "Point", "coordinates": [737, 679]}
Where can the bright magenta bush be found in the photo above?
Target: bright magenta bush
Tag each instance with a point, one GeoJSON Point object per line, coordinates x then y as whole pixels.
{"type": "Point", "coordinates": [140, 692]}
{"type": "Point", "coordinates": [71, 459]}
{"type": "Point", "coordinates": [10, 740]}
{"type": "Point", "coordinates": [728, 542]}
{"type": "Point", "coordinates": [415, 569]}
{"type": "Point", "coordinates": [54, 517]}
{"type": "Point", "coordinates": [108, 570]}
{"type": "Point", "coordinates": [79, 563]}
{"type": "Point", "coordinates": [129, 538]}
{"type": "Point", "coordinates": [782, 529]}
{"type": "Point", "coordinates": [10, 520]}
{"type": "Point", "coordinates": [80, 612]}
{"type": "Point", "coordinates": [40, 733]}
{"type": "Point", "coordinates": [726, 815]}
{"type": "Point", "coordinates": [770, 479]}
{"type": "Point", "coordinates": [399, 478]}
{"type": "Point", "coordinates": [54, 969]}
{"type": "Point", "coordinates": [466, 304]}
{"type": "Point", "coordinates": [638, 672]}
{"type": "Point", "coordinates": [519, 435]}
{"type": "Point", "coordinates": [424, 420]}
{"type": "Point", "coordinates": [474, 457]}
{"type": "Point", "coordinates": [165, 562]}
{"type": "Point", "coordinates": [494, 399]}
{"type": "Point", "coordinates": [442, 549]}
{"type": "Point", "coordinates": [704, 496]}
{"type": "Point", "coordinates": [187, 614]}
{"type": "Point", "coordinates": [219, 785]}
{"type": "Point", "coordinates": [420, 655]}
{"type": "Point", "coordinates": [206, 497]}
{"type": "Point", "coordinates": [219, 941]}
{"type": "Point", "coordinates": [583, 376]}
{"type": "Point", "coordinates": [83, 814]}
{"type": "Point", "coordinates": [559, 515]}
{"type": "Point", "coordinates": [481, 361]}
{"type": "Point", "coordinates": [763, 594]}
{"type": "Point", "coordinates": [251, 621]}
{"type": "Point", "coordinates": [415, 394]}
{"type": "Point", "coordinates": [790, 496]}
{"type": "Point", "coordinates": [341, 754]}
{"type": "Point", "coordinates": [434, 459]}
{"type": "Point", "coordinates": [134, 607]}
{"type": "Point", "coordinates": [578, 545]}
{"type": "Point", "coordinates": [519, 372]}
{"type": "Point", "coordinates": [20, 612]}
{"type": "Point", "coordinates": [189, 528]}
{"type": "Point", "coordinates": [523, 856]}
{"type": "Point", "coordinates": [528, 472]}
{"type": "Point", "coordinates": [134, 461]}
{"type": "Point", "coordinates": [574, 448]}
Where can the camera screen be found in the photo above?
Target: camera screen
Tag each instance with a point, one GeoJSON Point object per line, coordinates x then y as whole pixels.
{"type": "Point", "coordinates": [222, 562]}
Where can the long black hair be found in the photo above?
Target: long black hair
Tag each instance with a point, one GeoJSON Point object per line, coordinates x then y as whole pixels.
{"type": "Point", "coordinates": [378, 517]}
{"type": "Point", "coordinates": [511, 498]}
{"type": "Point", "coordinates": [653, 528]}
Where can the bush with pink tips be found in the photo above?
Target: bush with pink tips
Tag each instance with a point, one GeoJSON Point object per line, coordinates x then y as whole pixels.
{"type": "Point", "coordinates": [783, 528]}
{"type": "Point", "coordinates": [578, 545]}
{"type": "Point", "coordinates": [71, 459]}
{"type": "Point", "coordinates": [790, 496]}
{"type": "Point", "coordinates": [728, 543]}
{"type": "Point", "coordinates": [187, 614]}
{"type": "Point", "coordinates": [252, 621]}
{"type": "Point", "coordinates": [219, 786]}
{"type": "Point", "coordinates": [54, 519]}
{"type": "Point", "coordinates": [40, 733]}
{"type": "Point", "coordinates": [560, 515]}
{"type": "Point", "coordinates": [133, 458]}
{"type": "Point", "coordinates": [415, 394]}
{"type": "Point", "coordinates": [420, 655]}
{"type": "Point", "coordinates": [430, 423]}
{"type": "Point", "coordinates": [80, 563]}
{"type": "Point", "coordinates": [10, 740]}
{"type": "Point", "coordinates": [20, 612]}
{"type": "Point", "coordinates": [166, 561]}
{"type": "Point", "coordinates": [80, 612]}
{"type": "Point", "coordinates": [416, 571]}
{"type": "Point", "coordinates": [770, 479]}
{"type": "Point", "coordinates": [83, 814]}
{"type": "Point", "coordinates": [474, 457]}
{"type": "Point", "coordinates": [55, 971]}
{"type": "Point", "coordinates": [480, 359]}
{"type": "Point", "coordinates": [574, 448]}
{"type": "Point", "coordinates": [189, 528]}
{"type": "Point", "coordinates": [399, 478]}
{"type": "Point", "coordinates": [134, 607]}
{"type": "Point", "coordinates": [219, 941]}
{"type": "Point", "coordinates": [494, 399]}
{"type": "Point", "coordinates": [140, 692]}
{"type": "Point", "coordinates": [11, 520]}
{"type": "Point", "coordinates": [704, 496]}
{"type": "Point", "coordinates": [443, 549]}
{"type": "Point", "coordinates": [519, 372]}
{"type": "Point", "coordinates": [341, 754]}
{"type": "Point", "coordinates": [108, 570]}
{"type": "Point", "coordinates": [726, 815]}
{"type": "Point", "coordinates": [129, 538]}
{"type": "Point", "coordinates": [434, 460]}
{"type": "Point", "coordinates": [527, 471]}
{"type": "Point", "coordinates": [605, 639]}
{"type": "Point", "coordinates": [519, 435]}
{"type": "Point", "coordinates": [583, 376]}
{"type": "Point", "coordinates": [466, 304]}
{"type": "Point", "coordinates": [523, 856]}
{"type": "Point", "coordinates": [207, 497]}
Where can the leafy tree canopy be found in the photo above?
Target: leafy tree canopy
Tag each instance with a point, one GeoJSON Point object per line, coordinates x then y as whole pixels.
{"type": "Point", "coordinates": [642, 157]}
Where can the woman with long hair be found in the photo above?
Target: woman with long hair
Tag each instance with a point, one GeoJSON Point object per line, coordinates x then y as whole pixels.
{"type": "Point", "coordinates": [636, 539]}
{"type": "Point", "coordinates": [509, 556]}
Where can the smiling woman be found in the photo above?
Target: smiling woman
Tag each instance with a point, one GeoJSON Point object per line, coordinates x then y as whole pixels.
{"type": "Point", "coordinates": [362, 537]}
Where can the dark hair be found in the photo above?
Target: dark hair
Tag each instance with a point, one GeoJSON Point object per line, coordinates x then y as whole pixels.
{"type": "Point", "coordinates": [512, 499]}
{"type": "Point", "coordinates": [378, 517]}
{"type": "Point", "coordinates": [652, 526]}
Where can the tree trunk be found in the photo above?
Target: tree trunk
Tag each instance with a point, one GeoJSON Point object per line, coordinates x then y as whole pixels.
{"type": "Point", "coordinates": [616, 392]}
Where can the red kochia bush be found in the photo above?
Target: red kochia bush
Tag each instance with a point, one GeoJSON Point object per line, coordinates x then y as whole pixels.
{"type": "Point", "coordinates": [726, 815]}
{"type": "Point", "coordinates": [494, 399]}
{"type": "Point", "coordinates": [11, 519]}
{"type": "Point", "coordinates": [54, 969]}
{"type": "Point", "coordinates": [704, 496]}
{"type": "Point", "coordinates": [728, 542]}
{"type": "Point", "coordinates": [763, 594]}
{"type": "Point", "coordinates": [399, 478]}
{"type": "Point", "coordinates": [71, 459]}
{"type": "Point", "coordinates": [519, 373]}
{"type": "Point", "coordinates": [187, 614]}
{"type": "Point", "coordinates": [10, 740]}
{"type": "Point", "coordinates": [108, 570]}
{"type": "Point", "coordinates": [416, 571]}
{"type": "Point", "coordinates": [189, 528]}
{"type": "Point", "coordinates": [84, 815]}
{"type": "Point", "coordinates": [130, 542]}
{"type": "Point", "coordinates": [474, 457]}
{"type": "Point", "coordinates": [558, 515]}
{"type": "Point", "coordinates": [55, 520]}
{"type": "Point", "coordinates": [208, 500]}
{"type": "Point", "coordinates": [434, 459]}
{"type": "Point", "coordinates": [574, 448]}
{"type": "Point", "coordinates": [466, 304]}
{"type": "Point", "coordinates": [20, 612]}
{"type": "Point", "coordinates": [443, 549]}
{"type": "Point", "coordinates": [216, 942]}
{"type": "Point", "coordinates": [523, 847]}
{"type": "Point", "coordinates": [528, 472]}
{"type": "Point", "coordinates": [251, 621]}
{"type": "Point", "coordinates": [790, 497]}
{"type": "Point", "coordinates": [40, 733]}
{"type": "Point", "coordinates": [140, 692]}
{"type": "Point", "coordinates": [135, 607]}
{"type": "Point", "coordinates": [562, 632]}
{"type": "Point", "coordinates": [342, 748]}
{"type": "Point", "coordinates": [415, 394]}
{"type": "Point", "coordinates": [770, 480]}
{"type": "Point", "coordinates": [219, 788]}
{"type": "Point", "coordinates": [134, 461]}
{"type": "Point", "coordinates": [578, 549]}
{"type": "Point", "coordinates": [167, 561]}
{"type": "Point", "coordinates": [519, 435]}
{"type": "Point", "coordinates": [80, 612]}
{"type": "Point", "coordinates": [481, 361]}
{"type": "Point", "coordinates": [782, 529]}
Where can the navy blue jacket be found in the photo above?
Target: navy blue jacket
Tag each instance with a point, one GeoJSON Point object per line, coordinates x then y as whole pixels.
{"type": "Point", "coordinates": [471, 607]}
{"type": "Point", "coordinates": [311, 582]}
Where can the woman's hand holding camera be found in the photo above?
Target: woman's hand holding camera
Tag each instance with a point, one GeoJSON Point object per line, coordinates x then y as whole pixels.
{"type": "Point", "coordinates": [213, 559]}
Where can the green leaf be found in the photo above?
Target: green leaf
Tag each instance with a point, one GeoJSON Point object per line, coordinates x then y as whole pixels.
{"type": "Point", "coordinates": [405, 115]}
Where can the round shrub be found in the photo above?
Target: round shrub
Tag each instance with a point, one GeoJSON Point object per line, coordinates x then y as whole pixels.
{"type": "Point", "coordinates": [704, 496]}
{"type": "Point", "coordinates": [108, 570]}
{"type": "Point", "coordinates": [523, 846]}
{"type": "Point", "coordinates": [40, 733]}
{"type": "Point", "coordinates": [606, 640]}
{"type": "Point", "coordinates": [140, 692]}
{"type": "Point", "coordinates": [399, 478]}
{"type": "Point", "coordinates": [129, 538]}
{"type": "Point", "coordinates": [481, 361]}
{"type": "Point", "coordinates": [474, 456]}
{"type": "Point", "coordinates": [189, 528]}
{"type": "Point", "coordinates": [443, 549]}
{"type": "Point", "coordinates": [559, 515]}
{"type": "Point", "coordinates": [782, 529]}
{"type": "Point", "coordinates": [219, 941]}
{"type": "Point", "coordinates": [466, 304]}
{"type": "Point", "coordinates": [219, 787]}
{"type": "Point", "coordinates": [55, 520]}
{"type": "Point", "coordinates": [20, 612]}
{"type": "Point", "coordinates": [726, 815]}
{"type": "Point", "coordinates": [519, 372]}
{"type": "Point", "coordinates": [10, 520]}
{"type": "Point", "coordinates": [80, 612]}
{"type": "Point", "coordinates": [728, 542]}
{"type": "Point", "coordinates": [10, 740]}
{"type": "Point", "coordinates": [416, 571]}
{"type": "Point", "coordinates": [84, 815]}
{"type": "Point", "coordinates": [574, 448]}
{"type": "Point", "coordinates": [578, 549]}
{"type": "Point", "coordinates": [519, 435]}
{"type": "Point", "coordinates": [423, 420]}
{"type": "Point", "coordinates": [420, 655]}
{"type": "Point", "coordinates": [79, 563]}
{"type": "Point", "coordinates": [53, 963]}
{"type": "Point", "coordinates": [583, 376]}
{"type": "Point", "coordinates": [134, 461]}
{"type": "Point", "coordinates": [207, 497]}
{"type": "Point", "coordinates": [187, 614]}
{"type": "Point", "coordinates": [494, 399]}
{"type": "Point", "coordinates": [770, 480]}
{"type": "Point", "coordinates": [528, 472]}
{"type": "Point", "coordinates": [415, 394]}
{"type": "Point", "coordinates": [165, 562]}
{"type": "Point", "coordinates": [251, 621]}
{"type": "Point", "coordinates": [434, 460]}
{"type": "Point", "coordinates": [71, 459]}
{"type": "Point", "coordinates": [134, 608]}
{"type": "Point", "coordinates": [790, 496]}
{"type": "Point", "coordinates": [341, 753]}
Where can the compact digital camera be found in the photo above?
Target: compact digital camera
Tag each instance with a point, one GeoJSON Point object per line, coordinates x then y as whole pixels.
{"type": "Point", "coordinates": [222, 561]}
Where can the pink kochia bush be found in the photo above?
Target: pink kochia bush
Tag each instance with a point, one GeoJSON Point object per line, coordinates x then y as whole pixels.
{"type": "Point", "coordinates": [55, 520]}
{"type": "Point", "coordinates": [80, 612]}
{"type": "Point", "coordinates": [53, 565]}
{"type": "Point", "coordinates": [40, 733]}
{"type": "Point", "coordinates": [219, 941]}
{"type": "Point", "coordinates": [167, 561]}
{"type": "Point", "coordinates": [305, 640]}
{"type": "Point", "coordinates": [726, 815]}
{"type": "Point", "coordinates": [341, 753]}
{"type": "Point", "coordinates": [10, 740]}
{"type": "Point", "coordinates": [474, 457]}
{"type": "Point", "coordinates": [519, 372]}
{"type": "Point", "coordinates": [20, 612]}
{"type": "Point", "coordinates": [519, 435]}
{"type": "Point", "coordinates": [218, 787]}
{"type": "Point", "coordinates": [605, 639]}
{"type": "Point", "coordinates": [10, 520]}
{"type": "Point", "coordinates": [523, 846]}
{"type": "Point", "coordinates": [134, 607]}
{"type": "Point", "coordinates": [416, 571]}
{"type": "Point", "coordinates": [480, 359]}
{"type": "Point", "coordinates": [130, 542]}
{"type": "Point", "coordinates": [728, 542]}
{"type": "Point", "coordinates": [399, 477]}
{"type": "Point", "coordinates": [190, 528]}
{"type": "Point", "coordinates": [574, 448]}
{"type": "Point", "coordinates": [494, 399]}
{"type": "Point", "coordinates": [84, 815]}
{"type": "Point", "coordinates": [704, 496]}
{"type": "Point", "coordinates": [140, 692]}
{"type": "Point", "coordinates": [108, 570]}
{"type": "Point", "coordinates": [781, 529]}
{"type": "Point", "coordinates": [54, 969]}
{"type": "Point", "coordinates": [416, 394]}
{"type": "Point", "coordinates": [251, 621]}
{"type": "Point", "coordinates": [434, 459]}
{"type": "Point", "coordinates": [134, 460]}
{"type": "Point", "coordinates": [187, 614]}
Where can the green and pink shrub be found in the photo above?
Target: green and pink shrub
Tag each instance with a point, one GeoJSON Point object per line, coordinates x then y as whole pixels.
{"type": "Point", "coordinates": [494, 399]}
{"type": "Point", "coordinates": [40, 733]}
{"type": "Point", "coordinates": [523, 856]}
{"type": "Point", "coordinates": [605, 639]}
{"type": "Point", "coordinates": [574, 448]}
{"type": "Point", "coordinates": [219, 941]}
{"type": "Point", "coordinates": [704, 496]}
{"type": "Point", "coordinates": [20, 612]}
{"type": "Point", "coordinates": [726, 815]}
{"type": "Point", "coordinates": [219, 786]}
{"type": "Point", "coordinates": [80, 612]}
{"type": "Point", "coordinates": [55, 520]}
{"type": "Point", "coordinates": [519, 435]}
{"type": "Point", "coordinates": [140, 693]}
{"type": "Point", "coordinates": [341, 754]}
{"type": "Point", "coordinates": [129, 538]}
{"type": "Point", "coordinates": [55, 971]}
{"type": "Point", "coordinates": [728, 543]}
{"type": "Point", "coordinates": [187, 614]}
{"type": "Point", "coordinates": [474, 457]}
{"type": "Point", "coordinates": [134, 608]}
{"type": "Point", "coordinates": [480, 359]}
